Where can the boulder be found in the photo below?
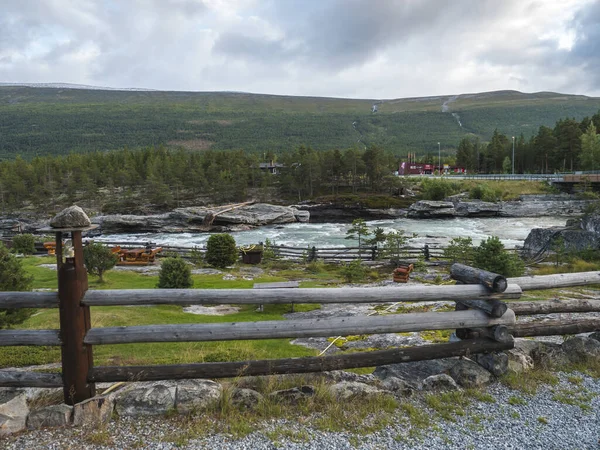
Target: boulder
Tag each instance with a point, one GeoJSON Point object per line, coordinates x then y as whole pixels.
{"type": "Point", "coordinates": [50, 416]}
{"type": "Point", "coordinates": [518, 361]}
{"type": "Point", "coordinates": [351, 389]}
{"type": "Point", "coordinates": [13, 411]}
{"type": "Point", "coordinates": [95, 411]}
{"type": "Point", "coordinates": [580, 348]}
{"type": "Point", "coordinates": [469, 374]}
{"type": "Point", "coordinates": [147, 399]}
{"type": "Point", "coordinates": [397, 386]}
{"type": "Point", "coordinates": [429, 209]}
{"type": "Point", "coordinates": [591, 223]}
{"type": "Point", "coordinates": [549, 355]}
{"type": "Point", "coordinates": [301, 216]}
{"type": "Point", "coordinates": [196, 395]}
{"type": "Point", "coordinates": [246, 398]}
{"type": "Point", "coordinates": [496, 362]}
{"type": "Point", "coordinates": [477, 209]}
{"type": "Point", "coordinates": [295, 394]}
{"type": "Point", "coordinates": [415, 371]}
{"type": "Point", "coordinates": [526, 346]}
{"type": "Point", "coordinates": [71, 217]}
{"type": "Point", "coordinates": [441, 382]}
{"type": "Point", "coordinates": [595, 336]}
{"type": "Point", "coordinates": [540, 240]}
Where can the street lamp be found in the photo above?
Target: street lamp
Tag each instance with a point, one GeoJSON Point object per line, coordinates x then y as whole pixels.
{"type": "Point", "coordinates": [439, 159]}
{"type": "Point", "coordinates": [513, 158]}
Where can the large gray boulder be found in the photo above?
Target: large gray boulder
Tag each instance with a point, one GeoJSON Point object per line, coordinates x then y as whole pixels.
{"type": "Point", "coordinates": [469, 374]}
{"type": "Point", "coordinates": [13, 411]}
{"type": "Point", "coordinates": [352, 389]}
{"type": "Point", "coordinates": [541, 240]}
{"type": "Point", "coordinates": [147, 399]}
{"type": "Point", "coordinates": [71, 217]}
{"type": "Point", "coordinates": [196, 395]}
{"type": "Point", "coordinates": [415, 371]}
{"type": "Point", "coordinates": [477, 209]}
{"type": "Point", "coordinates": [581, 348]}
{"type": "Point", "coordinates": [95, 411]}
{"type": "Point", "coordinates": [496, 362]}
{"type": "Point", "coordinates": [549, 355]}
{"type": "Point", "coordinates": [429, 209]}
{"type": "Point", "coordinates": [192, 219]}
{"type": "Point", "coordinates": [50, 417]}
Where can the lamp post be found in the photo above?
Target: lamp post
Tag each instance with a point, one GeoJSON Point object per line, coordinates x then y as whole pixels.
{"type": "Point", "coordinates": [439, 159]}
{"type": "Point", "coordinates": [513, 155]}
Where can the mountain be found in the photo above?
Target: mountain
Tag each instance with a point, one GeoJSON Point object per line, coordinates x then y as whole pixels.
{"type": "Point", "coordinates": [61, 118]}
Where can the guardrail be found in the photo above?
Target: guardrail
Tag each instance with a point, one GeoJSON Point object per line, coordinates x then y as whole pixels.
{"type": "Point", "coordinates": [77, 338]}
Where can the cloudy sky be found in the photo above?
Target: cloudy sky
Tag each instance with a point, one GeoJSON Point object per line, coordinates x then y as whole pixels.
{"type": "Point", "coordinates": [337, 48]}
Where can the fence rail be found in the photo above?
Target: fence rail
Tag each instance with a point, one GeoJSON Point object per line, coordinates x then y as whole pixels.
{"type": "Point", "coordinates": [77, 338]}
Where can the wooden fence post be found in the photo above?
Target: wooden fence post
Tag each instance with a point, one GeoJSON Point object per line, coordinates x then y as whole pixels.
{"type": "Point", "coordinates": [77, 358]}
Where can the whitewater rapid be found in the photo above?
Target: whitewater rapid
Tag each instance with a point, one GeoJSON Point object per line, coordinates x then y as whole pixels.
{"type": "Point", "coordinates": [435, 232]}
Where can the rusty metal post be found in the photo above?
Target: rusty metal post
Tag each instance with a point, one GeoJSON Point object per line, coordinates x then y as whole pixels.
{"type": "Point", "coordinates": [77, 358]}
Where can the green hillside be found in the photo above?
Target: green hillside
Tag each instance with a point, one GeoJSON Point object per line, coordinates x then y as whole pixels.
{"type": "Point", "coordinates": [42, 121]}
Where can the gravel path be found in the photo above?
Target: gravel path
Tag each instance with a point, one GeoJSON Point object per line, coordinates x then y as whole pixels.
{"type": "Point", "coordinates": [513, 421]}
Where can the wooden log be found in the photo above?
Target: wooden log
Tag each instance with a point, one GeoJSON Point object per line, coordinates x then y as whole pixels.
{"type": "Point", "coordinates": [556, 327]}
{"type": "Point", "coordinates": [554, 306]}
{"type": "Point", "coordinates": [494, 308]}
{"type": "Point", "coordinates": [29, 337]}
{"type": "Point", "coordinates": [408, 293]}
{"type": "Point", "coordinates": [28, 300]}
{"type": "Point", "coordinates": [472, 275]}
{"type": "Point", "coordinates": [74, 323]}
{"type": "Point", "coordinates": [499, 333]}
{"type": "Point", "coordinates": [300, 328]}
{"type": "Point", "coordinates": [556, 281]}
{"type": "Point", "coordinates": [18, 378]}
{"type": "Point", "coordinates": [295, 365]}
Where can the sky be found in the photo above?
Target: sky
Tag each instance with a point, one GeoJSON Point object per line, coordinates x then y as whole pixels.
{"type": "Point", "coordinates": [376, 49]}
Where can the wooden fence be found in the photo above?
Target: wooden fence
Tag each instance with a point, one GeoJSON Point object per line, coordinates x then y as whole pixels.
{"type": "Point", "coordinates": [77, 338]}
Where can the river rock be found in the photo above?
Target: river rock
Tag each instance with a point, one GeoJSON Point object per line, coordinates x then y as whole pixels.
{"type": "Point", "coordinates": [352, 389]}
{"type": "Point", "coordinates": [544, 206]}
{"type": "Point", "coordinates": [469, 374]}
{"type": "Point", "coordinates": [477, 209]}
{"type": "Point", "coordinates": [196, 395]}
{"type": "Point", "coordinates": [192, 219]}
{"type": "Point", "coordinates": [147, 399]}
{"type": "Point", "coordinates": [13, 411]}
{"type": "Point", "coordinates": [338, 212]}
{"type": "Point", "coordinates": [71, 217]}
{"type": "Point", "coordinates": [429, 209]}
{"type": "Point", "coordinates": [540, 240]}
{"type": "Point", "coordinates": [50, 416]}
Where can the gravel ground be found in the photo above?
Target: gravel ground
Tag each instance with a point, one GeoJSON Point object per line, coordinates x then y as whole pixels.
{"type": "Point", "coordinates": [538, 422]}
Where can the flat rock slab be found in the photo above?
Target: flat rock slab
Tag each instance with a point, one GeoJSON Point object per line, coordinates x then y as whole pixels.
{"type": "Point", "coordinates": [50, 417]}
{"type": "Point", "coordinates": [196, 395]}
{"type": "Point", "coordinates": [95, 411]}
{"type": "Point", "coordinates": [13, 411]}
{"type": "Point", "coordinates": [147, 399]}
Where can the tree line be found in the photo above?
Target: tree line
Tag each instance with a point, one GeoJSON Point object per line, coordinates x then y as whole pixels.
{"type": "Point", "coordinates": [570, 145]}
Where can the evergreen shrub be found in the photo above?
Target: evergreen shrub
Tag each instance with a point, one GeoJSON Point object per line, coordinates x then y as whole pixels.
{"type": "Point", "coordinates": [175, 273]}
{"type": "Point", "coordinates": [24, 243]}
{"type": "Point", "coordinates": [221, 250]}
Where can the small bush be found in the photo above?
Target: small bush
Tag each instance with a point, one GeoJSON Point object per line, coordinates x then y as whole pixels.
{"type": "Point", "coordinates": [98, 259]}
{"type": "Point", "coordinates": [354, 272]}
{"type": "Point", "coordinates": [460, 250]}
{"type": "Point", "coordinates": [485, 193]}
{"type": "Point", "coordinates": [438, 189]}
{"type": "Point", "coordinates": [24, 243]}
{"type": "Point", "coordinates": [221, 250]}
{"type": "Point", "coordinates": [175, 273]}
{"type": "Point", "coordinates": [13, 278]}
{"type": "Point", "coordinates": [492, 256]}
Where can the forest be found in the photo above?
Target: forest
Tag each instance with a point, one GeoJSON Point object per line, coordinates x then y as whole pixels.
{"type": "Point", "coordinates": [127, 180]}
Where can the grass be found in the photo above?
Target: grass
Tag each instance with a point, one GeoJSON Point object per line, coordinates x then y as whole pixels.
{"type": "Point", "coordinates": [529, 382]}
{"type": "Point", "coordinates": [580, 397]}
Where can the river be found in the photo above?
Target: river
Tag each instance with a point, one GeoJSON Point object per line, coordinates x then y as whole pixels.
{"type": "Point", "coordinates": [435, 232]}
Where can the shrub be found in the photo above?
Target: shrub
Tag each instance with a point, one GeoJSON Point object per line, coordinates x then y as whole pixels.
{"type": "Point", "coordinates": [460, 250]}
{"type": "Point", "coordinates": [393, 247]}
{"type": "Point", "coordinates": [491, 255]}
{"type": "Point", "coordinates": [98, 259]}
{"type": "Point", "coordinates": [24, 243]}
{"type": "Point", "coordinates": [175, 273]}
{"type": "Point", "coordinates": [221, 250]}
{"type": "Point", "coordinates": [13, 278]}
{"type": "Point", "coordinates": [354, 272]}
{"type": "Point", "coordinates": [485, 193]}
{"type": "Point", "coordinates": [438, 189]}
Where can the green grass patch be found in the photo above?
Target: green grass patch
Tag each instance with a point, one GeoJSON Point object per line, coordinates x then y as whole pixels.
{"type": "Point", "coordinates": [529, 382]}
